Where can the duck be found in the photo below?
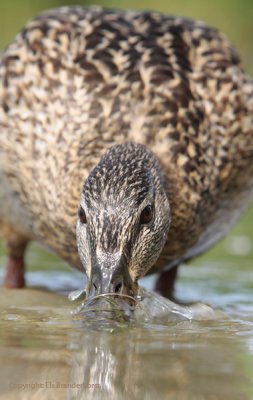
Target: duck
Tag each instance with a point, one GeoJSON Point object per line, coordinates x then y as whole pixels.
{"type": "Point", "coordinates": [126, 144]}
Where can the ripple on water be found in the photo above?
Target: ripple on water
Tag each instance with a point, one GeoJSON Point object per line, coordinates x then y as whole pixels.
{"type": "Point", "coordinates": [158, 350]}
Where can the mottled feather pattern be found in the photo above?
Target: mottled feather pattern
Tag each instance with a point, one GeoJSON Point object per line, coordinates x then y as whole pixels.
{"type": "Point", "coordinates": [77, 81]}
{"type": "Point", "coordinates": [127, 179]}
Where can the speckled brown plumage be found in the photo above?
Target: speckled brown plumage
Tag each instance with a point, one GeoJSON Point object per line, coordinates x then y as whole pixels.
{"type": "Point", "coordinates": [77, 81]}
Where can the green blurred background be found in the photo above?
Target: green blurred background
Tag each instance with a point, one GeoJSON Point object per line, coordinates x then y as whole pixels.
{"type": "Point", "coordinates": [233, 17]}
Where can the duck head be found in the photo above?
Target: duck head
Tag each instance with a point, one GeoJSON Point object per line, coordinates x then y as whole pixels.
{"type": "Point", "coordinates": [123, 219]}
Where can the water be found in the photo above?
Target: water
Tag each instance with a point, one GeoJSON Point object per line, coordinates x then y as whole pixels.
{"type": "Point", "coordinates": [164, 351]}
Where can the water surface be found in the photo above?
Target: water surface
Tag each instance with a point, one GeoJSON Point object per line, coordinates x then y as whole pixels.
{"type": "Point", "coordinates": [194, 352]}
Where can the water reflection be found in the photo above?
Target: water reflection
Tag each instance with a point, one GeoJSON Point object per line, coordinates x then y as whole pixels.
{"type": "Point", "coordinates": [139, 364]}
{"type": "Point", "coordinates": [175, 355]}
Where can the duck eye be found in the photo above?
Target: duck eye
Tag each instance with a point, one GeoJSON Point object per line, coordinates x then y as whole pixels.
{"type": "Point", "coordinates": [82, 215]}
{"type": "Point", "coordinates": [146, 215]}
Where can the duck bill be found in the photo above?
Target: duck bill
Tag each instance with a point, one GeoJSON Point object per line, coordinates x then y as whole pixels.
{"type": "Point", "coordinates": [110, 277]}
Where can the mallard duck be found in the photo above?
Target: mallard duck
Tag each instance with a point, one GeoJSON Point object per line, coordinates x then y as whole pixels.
{"type": "Point", "coordinates": [126, 143]}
